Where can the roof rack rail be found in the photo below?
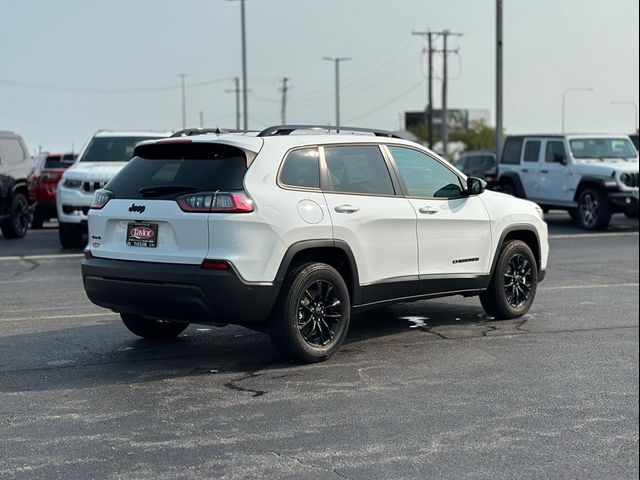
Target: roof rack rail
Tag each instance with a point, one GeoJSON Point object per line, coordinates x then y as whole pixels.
{"type": "Point", "coordinates": [288, 129]}
{"type": "Point", "coordinates": [189, 132]}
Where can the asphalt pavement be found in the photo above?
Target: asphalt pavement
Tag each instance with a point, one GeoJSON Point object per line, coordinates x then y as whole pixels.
{"type": "Point", "coordinates": [433, 389]}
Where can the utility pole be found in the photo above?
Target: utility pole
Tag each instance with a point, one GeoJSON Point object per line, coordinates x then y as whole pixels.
{"type": "Point", "coordinates": [184, 107]}
{"type": "Point", "coordinates": [337, 61]}
{"type": "Point", "coordinates": [429, 111]}
{"type": "Point", "coordinates": [201, 119]}
{"type": "Point", "coordinates": [499, 127]}
{"type": "Point", "coordinates": [284, 89]}
{"type": "Point", "coordinates": [430, 36]}
{"type": "Point", "coordinates": [445, 113]}
{"type": "Point", "coordinates": [236, 90]}
{"type": "Point", "coordinates": [245, 102]}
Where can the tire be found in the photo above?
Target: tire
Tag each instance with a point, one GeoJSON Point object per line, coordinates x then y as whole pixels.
{"type": "Point", "coordinates": [573, 213]}
{"type": "Point", "coordinates": [503, 301]}
{"type": "Point", "coordinates": [311, 318]}
{"type": "Point", "coordinates": [152, 329]}
{"type": "Point", "coordinates": [70, 235]}
{"type": "Point", "coordinates": [17, 224]}
{"type": "Point", "coordinates": [508, 188]}
{"type": "Point", "coordinates": [37, 221]}
{"type": "Point", "coordinates": [594, 212]}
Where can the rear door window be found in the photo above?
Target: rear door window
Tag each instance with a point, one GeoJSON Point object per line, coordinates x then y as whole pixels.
{"type": "Point", "coordinates": [357, 169]}
{"type": "Point", "coordinates": [301, 168]}
{"type": "Point", "coordinates": [168, 171]}
{"type": "Point", "coordinates": [532, 151]}
{"type": "Point", "coordinates": [511, 151]}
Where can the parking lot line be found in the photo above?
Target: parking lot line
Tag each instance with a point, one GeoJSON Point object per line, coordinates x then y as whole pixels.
{"type": "Point", "coordinates": [610, 285]}
{"type": "Point", "coordinates": [41, 257]}
{"type": "Point", "coordinates": [58, 317]}
{"type": "Point", "coordinates": [595, 235]}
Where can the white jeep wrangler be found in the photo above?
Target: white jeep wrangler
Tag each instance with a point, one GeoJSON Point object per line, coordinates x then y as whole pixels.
{"type": "Point", "coordinates": [590, 176]}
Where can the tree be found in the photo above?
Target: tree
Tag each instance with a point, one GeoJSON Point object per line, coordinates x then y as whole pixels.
{"type": "Point", "coordinates": [479, 136]}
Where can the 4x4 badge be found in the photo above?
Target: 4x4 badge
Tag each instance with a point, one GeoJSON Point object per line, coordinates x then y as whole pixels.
{"type": "Point", "coordinates": [136, 208]}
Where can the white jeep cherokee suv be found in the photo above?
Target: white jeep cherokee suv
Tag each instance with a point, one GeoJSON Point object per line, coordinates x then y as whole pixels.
{"type": "Point", "coordinates": [292, 229]}
{"type": "Point", "coordinates": [590, 176]}
{"type": "Point", "coordinates": [103, 156]}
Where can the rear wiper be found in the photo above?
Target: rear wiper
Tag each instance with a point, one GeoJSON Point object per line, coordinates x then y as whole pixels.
{"type": "Point", "coordinates": [159, 190]}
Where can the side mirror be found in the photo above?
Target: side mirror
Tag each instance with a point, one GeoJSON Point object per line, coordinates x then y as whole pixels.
{"type": "Point", "coordinates": [560, 158]}
{"type": "Point", "coordinates": [475, 186]}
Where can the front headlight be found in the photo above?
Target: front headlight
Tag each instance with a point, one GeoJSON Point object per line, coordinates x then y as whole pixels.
{"type": "Point", "coordinates": [540, 212]}
{"type": "Point", "coordinates": [625, 178]}
{"type": "Point", "coordinates": [71, 183]}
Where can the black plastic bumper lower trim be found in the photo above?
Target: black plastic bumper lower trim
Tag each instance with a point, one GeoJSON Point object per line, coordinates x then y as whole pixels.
{"type": "Point", "coordinates": [184, 293]}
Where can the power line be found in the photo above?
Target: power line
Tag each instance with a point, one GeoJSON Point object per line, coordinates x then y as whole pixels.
{"type": "Point", "coordinates": [75, 89]}
{"type": "Point", "coordinates": [387, 103]}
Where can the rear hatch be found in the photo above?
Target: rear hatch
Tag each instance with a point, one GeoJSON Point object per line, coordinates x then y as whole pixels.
{"type": "Point", "coordinates": [156, 209]}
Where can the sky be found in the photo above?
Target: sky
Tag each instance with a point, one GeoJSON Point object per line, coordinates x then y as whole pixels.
{"type": "Point", "coordinates": [71, 67]}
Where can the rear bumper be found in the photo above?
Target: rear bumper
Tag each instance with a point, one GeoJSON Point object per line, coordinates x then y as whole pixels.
{"type": "Point", "coordinates": [184, 293]}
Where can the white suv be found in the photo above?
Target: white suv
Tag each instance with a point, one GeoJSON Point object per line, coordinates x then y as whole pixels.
{"type": "Point", "coordinates": [103, 156]}
{"type": "Point", "coordinates": [293, 228]}
{"type": "Point", "coordinates": [590, 176]}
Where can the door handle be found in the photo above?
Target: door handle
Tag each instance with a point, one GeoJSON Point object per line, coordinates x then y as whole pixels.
{"type": "Point", "coordinates": [525, 170]}
{"type": "Point", "coordinates": [346, 209]}
{"type": "Point", "coordinates": [428, 210]}
{"type": "Point", "coordinates": [544, 171]}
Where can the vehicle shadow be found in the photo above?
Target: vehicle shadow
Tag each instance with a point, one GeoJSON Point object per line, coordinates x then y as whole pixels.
{"type": "Point", "coordinates": [560, 223]}
{"type": "Point", "coordinates": [107, 354]}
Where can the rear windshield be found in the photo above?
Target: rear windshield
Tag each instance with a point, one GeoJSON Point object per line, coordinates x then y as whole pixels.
{"type": "Point", "coordinates": [603, 148]}
{"type": "Point", "coordinates": [54, 161]}
{"type": "Point", "coordinates": [168, 171]}
{"type": "Point", "coordinates": [111, 149]}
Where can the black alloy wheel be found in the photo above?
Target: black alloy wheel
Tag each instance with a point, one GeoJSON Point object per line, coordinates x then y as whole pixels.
{"type": "Point", "coordinates": [513, 285]}
{"type": "Point", "coordinates": [17, 224]}
{"type": "Point", "coordinates": [311, 317]}
{"type": "Point", "coordinates": [518, 280]}
{"type": "Point", "coordinates": [594, 212]}
{"type": "Point", "coordinates": [319, 313]}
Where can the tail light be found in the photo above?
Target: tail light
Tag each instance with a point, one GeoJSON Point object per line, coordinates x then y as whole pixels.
{"type": "Point", "coordinates": [216, 202]}
{"type": "Point", "coordinates": [100, 198]}
{"type": "Point", "coordinates": [492, 175]}
{"type": "Point", "coordinates": [214, 265]}
{"type": "Point", "coordinates": [49, 176]}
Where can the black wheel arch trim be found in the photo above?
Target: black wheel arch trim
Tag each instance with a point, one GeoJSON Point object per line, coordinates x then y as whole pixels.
{"type": "Point", "coordinates": [518, 228]}
{"type": "Point", "coordinates": [608, 184]}
{"type": "Point", "coordinates": [303, 245]}
{"type": "Point", "coordinates": [514, 178]}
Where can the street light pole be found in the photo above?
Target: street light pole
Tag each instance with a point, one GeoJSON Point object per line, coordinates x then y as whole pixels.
{"type": "Point", "coordinates": [183, 96]}
{"type": "Point", "coordinates": [499, 126]}
{"type": "Point", "coordinates": [635, 110]}
{"type": "Point", "coordinates": [564, 98]}
{"type": "Point", "coordinates": [337, 61]}
{"type": "Point", "coordinates": [244, 69]}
